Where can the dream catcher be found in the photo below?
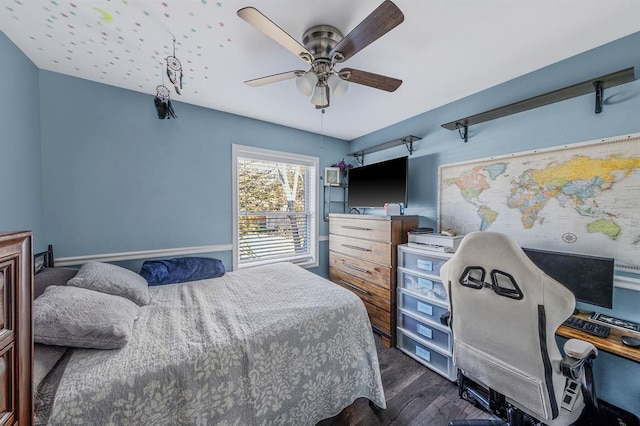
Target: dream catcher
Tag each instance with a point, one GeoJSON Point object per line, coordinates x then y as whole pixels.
{"type": "Point", "coordinates": [162, 103]}
{"type": "Point", "coordinates": [174, 70]}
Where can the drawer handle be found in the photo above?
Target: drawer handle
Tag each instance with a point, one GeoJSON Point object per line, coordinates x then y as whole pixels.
{"type": "Point", "coordinates": [356, 228]}
{"type": "Point", "coordinates": [355, 287]}
{"type": "Point", "coordinates": [355, 247]}
{"type": "Point", "coordinates": [356, 268]}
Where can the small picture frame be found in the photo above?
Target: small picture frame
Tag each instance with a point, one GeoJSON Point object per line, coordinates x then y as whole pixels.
{"type": "Point", "coordinates": [332, 176]}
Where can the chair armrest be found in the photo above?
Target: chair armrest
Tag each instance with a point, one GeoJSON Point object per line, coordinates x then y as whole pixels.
{"type": "Point", "coordinates": [578, 352]}
{"type": "Point", "coordinates": [576, 348]}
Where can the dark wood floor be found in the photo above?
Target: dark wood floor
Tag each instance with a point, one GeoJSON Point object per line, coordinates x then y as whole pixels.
{"type": "Point", "coordinates": [415, 396]}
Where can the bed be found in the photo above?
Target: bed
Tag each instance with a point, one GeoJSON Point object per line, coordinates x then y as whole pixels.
{"type": "Point", "coordinates": [273, 344]}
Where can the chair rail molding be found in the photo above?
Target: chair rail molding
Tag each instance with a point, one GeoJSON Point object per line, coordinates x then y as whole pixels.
{"type": "Point", "coordinates": [144, 254]}
{"type": "Point", "coordinates": [624, 281]}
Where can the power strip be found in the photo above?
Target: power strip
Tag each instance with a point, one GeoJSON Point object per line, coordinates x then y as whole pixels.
{"type": "Point", "coordinates": [615, 322]}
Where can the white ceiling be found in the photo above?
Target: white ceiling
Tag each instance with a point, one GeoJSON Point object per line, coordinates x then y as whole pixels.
{"type": "Point", "coordinates": [443, 51]}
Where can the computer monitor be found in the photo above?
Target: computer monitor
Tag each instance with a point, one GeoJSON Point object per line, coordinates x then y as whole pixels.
{"type": "Point", "coordinates": [590, 278]}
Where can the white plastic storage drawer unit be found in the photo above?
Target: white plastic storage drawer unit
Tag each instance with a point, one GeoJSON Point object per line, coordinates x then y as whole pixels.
{"type": "Point", "coordinates": [430, 310]}
{"type": "Point", "coordinates": [436, 336]}
{"type": "Point", "coordinates": [420, 262]}
{"type": "Point", "coordinates": [422, 285]}
{"type": "Point", "coordinates": [422, 300]}
{"type": "Point", "coordinates": [427, 355]}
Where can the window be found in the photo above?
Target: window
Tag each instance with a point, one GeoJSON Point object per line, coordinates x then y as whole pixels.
{"type": "Point", "coordinates": [275, 204]}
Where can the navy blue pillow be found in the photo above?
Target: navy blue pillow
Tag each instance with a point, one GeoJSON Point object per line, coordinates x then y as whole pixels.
{"type": "Point", "coordinates": [178, 270]}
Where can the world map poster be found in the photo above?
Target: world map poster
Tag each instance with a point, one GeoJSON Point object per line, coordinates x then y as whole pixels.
{"type": "Point", "coordinates": [581, 198]}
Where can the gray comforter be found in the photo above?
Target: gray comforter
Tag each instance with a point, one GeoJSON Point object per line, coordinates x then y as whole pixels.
{"type": "Point", "coordinates": [268, 345]}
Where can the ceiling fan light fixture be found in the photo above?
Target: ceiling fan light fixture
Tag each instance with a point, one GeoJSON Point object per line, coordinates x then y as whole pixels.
{"type": "Point", "coordinates": [306, 83]}
{"type": "Point", "coordinates": [320, 95]}
{"type": "Point", "coordinates": [337, 85]}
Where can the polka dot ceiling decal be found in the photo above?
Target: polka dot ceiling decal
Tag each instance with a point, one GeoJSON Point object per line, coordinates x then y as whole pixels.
{"type": "Point", "coordinates": [119, 42]}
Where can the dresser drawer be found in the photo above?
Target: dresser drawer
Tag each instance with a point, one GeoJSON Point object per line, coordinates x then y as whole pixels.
{"type": "Point", "coordinates": [421, 262]}
{"type": "Point", "coordinates": [374, 273]}
{"type": "Point", "coordinates": [379, 318]}
{"type": "Point", "coordinates": [427, 355]}
{"type": "Point", "coordinates": [373, 251]}
{"type": "Point", "coordinates": [375, 230]}
{"type": "Point", "coordinates": [420, 308]}
{"type": "Point", "coordinates": [371, 293]}
{"type": "Point", "coordinates": [424, 331]}
{"type": "Point", "coordinates": [7, 284]}
{"type": "Point", "coordinates": [428, 287]}
{"type": "Point", "coordinates": [7, 382]}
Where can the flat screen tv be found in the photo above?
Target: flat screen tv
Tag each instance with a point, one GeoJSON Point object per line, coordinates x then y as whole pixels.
{"type": "Point", "coordinates": [375, 184]}
{"type": "Point", "coordinates": [590, 278]}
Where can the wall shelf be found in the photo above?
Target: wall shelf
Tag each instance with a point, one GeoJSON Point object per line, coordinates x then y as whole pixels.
{"type": "Point", "coordinates": [335, 200]}
{"type": "Point", "coordinates": [595, 85]}
{"type": "Point", "coordinates": [405, 140]}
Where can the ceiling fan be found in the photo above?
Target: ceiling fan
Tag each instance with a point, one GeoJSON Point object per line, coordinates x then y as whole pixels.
{"type": "Point", "coordinates": [323, 48]}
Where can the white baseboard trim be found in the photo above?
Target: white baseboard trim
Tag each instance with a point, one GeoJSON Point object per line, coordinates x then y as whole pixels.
{"type": "Point", "coordinates": [144, 254]}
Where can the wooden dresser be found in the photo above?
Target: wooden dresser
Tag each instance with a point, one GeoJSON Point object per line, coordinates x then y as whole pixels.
{"type": "Point", "coordinates": [16, 333]}
{"type": "Point", "coordinates": [362, 258]}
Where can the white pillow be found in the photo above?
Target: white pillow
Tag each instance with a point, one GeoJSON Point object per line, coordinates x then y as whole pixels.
{"type": "Point", "coordinates": [70, 316]}
{"type": "Point", "coordinates": [112, 279]}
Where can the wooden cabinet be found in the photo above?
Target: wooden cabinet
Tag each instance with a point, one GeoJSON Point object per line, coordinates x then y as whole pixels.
{"type": "Point", "coordinates": [422, 299]}
{"type": "Point", "coordinates": [16, 334]}
{"type": "Point", "coordinates": [362, 258]}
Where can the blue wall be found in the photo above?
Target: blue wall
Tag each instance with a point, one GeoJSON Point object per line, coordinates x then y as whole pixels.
{"type": "Point", "coordinates": [118, 179]}
{"type": "Point", "coordinates": [561, 123]}
{"type": "Point", "coordinates": [20, 172]}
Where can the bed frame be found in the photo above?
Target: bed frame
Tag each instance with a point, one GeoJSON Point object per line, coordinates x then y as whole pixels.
{"type": "Point", "coordinates": [47, 259]}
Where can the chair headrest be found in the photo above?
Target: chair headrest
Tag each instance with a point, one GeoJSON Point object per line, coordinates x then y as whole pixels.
{"type": "Point", "coordinates": [496, 261]}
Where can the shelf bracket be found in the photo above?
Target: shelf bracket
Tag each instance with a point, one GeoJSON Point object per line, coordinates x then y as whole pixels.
{"type": "Point", "coordinates": [359, 156]}
{"type": "Point", "coordinates": [463, 135]}
{"type": "Point", "coordinates": [599, 92]}
{"type": "Point", "coordinates": [408, 143]}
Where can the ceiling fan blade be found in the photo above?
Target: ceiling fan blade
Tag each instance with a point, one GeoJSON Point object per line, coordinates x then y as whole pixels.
{"type": "Point", "coordinates": [257, 82]}
{"type": "Point", "coordinates": [370, 79]}
{"type": "Point", "coordinates": [382, 20]}
{"type": "Point", "coordinates": [254, 17]}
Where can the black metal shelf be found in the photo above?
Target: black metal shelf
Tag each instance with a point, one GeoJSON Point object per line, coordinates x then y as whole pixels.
{"type": "Point", "coordinates": [405, 140]}
{"type": "Point", "coordinates": [340, 201]}
{"type": "Point", "coordinates": [596, 85]}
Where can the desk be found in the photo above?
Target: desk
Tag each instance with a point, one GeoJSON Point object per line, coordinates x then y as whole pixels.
{"type": "Point", "coordinates": [611, 344]}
